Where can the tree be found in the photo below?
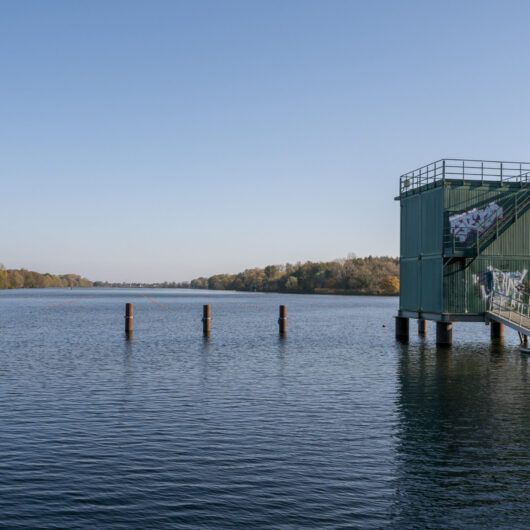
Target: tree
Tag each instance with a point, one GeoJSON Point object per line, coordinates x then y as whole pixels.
{"type": "Point", "coordinates": [271, 271]}
{"type": "Point", "coordinates": [16, 279]}
{"type": "Point", "coordinates": [292, 283]}
{"type": "Point", "coordinates": [352, 274]}
{"type": "Point", "coordinates": [389, 285]}
{"type": "Point", "coordinates": [4, 279]}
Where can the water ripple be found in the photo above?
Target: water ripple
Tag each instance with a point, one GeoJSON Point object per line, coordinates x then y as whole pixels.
{"type": "Point", "coordinates": [336, 426]}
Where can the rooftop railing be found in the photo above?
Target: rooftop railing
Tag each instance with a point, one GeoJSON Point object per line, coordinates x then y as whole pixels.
{"type": "Point", "coordinates": [458, 168]}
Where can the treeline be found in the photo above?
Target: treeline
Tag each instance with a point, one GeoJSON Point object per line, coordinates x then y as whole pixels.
{"type": "Point", "coordinates": [21, 278]}
{"type": "Point", "coordinates": [352, 275]}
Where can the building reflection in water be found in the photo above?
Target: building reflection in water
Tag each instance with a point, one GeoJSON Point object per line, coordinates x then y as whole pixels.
{"type": "Point", "coordinates": [463, 437]}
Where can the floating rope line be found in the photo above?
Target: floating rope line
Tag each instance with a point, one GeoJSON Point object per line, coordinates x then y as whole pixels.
{"type": "Point", "coordinates": [68, 302]}
{"type": "Point", "coordinates": [155, 302]}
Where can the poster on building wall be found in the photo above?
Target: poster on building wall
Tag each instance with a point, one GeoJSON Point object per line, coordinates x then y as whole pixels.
{"type": "Point", "coordinates": [475, 221]}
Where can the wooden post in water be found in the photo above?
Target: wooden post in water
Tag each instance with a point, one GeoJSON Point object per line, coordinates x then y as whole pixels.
{"type": "Point", "coordinates": [129, 316]}
{"type": "Point", "coordinates": [206, 319]}
{"type": "Point", "coordinates": [282, 321]}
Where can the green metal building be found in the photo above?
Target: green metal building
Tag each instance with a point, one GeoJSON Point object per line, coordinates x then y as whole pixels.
{"type": "Point", "coordinates": [465, 234]}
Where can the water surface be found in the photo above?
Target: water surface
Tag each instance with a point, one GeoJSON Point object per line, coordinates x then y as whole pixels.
{"type": "Point", "coordinates": [335, 426]}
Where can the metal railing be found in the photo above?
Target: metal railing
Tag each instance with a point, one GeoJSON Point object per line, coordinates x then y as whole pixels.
{"type": "Point", "coordinates": [510, 308]}
{"type": "Point", "coordinates": [458, 168]}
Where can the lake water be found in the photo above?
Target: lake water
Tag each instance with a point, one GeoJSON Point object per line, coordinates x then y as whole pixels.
{"type": "Point", "coordinates": [335, 426]}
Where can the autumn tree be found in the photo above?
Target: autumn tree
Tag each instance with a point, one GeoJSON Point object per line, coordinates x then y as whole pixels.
{"type": "Point", "coordinates": [389, 285]}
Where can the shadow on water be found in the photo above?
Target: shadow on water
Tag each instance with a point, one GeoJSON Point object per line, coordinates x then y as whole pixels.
{"type": "Point", "coordinates": [204, 353]}
{"type": "Point", "coordinates": [128, 346]}
{"type": "Point", "coordinates": [282, 357]}
{"type": "Point", "coordinates": [462, 435]}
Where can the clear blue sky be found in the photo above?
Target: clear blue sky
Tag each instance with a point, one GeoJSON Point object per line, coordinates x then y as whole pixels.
{"type": "Point", "coordinates": [153, 140]}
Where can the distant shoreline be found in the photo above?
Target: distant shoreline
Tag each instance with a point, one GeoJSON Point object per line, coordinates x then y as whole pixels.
{"type": "Point", "coordinates": [370, 276]}
{"type": "Point", "coordinates": [351, 276]}
{"type": "Point", "coordinates": [317, 292]}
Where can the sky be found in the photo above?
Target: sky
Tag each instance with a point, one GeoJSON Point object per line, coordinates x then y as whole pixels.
{"type": "Point", "coordinates": [165, 140]}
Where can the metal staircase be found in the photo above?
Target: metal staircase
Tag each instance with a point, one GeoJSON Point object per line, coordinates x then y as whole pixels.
{"type": "Point", "coordinates": [510, 311]}
{"type": "Point", "coordinates": [513, 207]}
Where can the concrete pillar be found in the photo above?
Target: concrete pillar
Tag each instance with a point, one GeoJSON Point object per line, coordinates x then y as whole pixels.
{"type": "Point", "coordinates": [422, 327]}
{"type": "Point", "coordinates": [402, 328]}
{"type": "Point", "coordinates": [496, 330]}
{"type": "Point", "coordinates": [444, 333]}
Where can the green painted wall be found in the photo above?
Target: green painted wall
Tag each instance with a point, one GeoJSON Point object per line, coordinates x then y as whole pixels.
{"type": "Point", "coordinates": [422, 223]}
{"type": "Point", "coordinates": [410, 227]}
{"type": "Point", "coordinates": [409, 298]}
{"type": "Point", "coordinates": [431, 284]}
{"type": "Point", "coordinates": [432, 224]}
{"type": "Point", "coordinates": [430, 281]}
{"type": "Point", "coordinates": [460, 198]}
{"type": "Point", "coordinates": [467, 284]}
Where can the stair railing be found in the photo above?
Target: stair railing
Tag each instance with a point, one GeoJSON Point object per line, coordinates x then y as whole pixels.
{"type": "Point", "coordinates": [500, 304]}
{"type": "Point", "coordinates": [512, 207]}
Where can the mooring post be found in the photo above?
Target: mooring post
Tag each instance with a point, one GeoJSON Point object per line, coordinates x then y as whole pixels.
{"type": "Point", "coordinates": [402, 328]}
{"type": "Point", "coordinates": [422, 327]}
{"type": "Point", "coordinates": [206, 319]}
{"type": "Point", "coordinates": [282, 321]}
{"type": "Point", "coordinates": [444, 333]}
{"type": "Point", "coordinates": [129, 316]}
{"type": "Point", "coordinates": [496, 330]}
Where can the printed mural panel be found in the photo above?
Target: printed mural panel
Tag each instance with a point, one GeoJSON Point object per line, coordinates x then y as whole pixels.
{"type": "Point", "coordinates": [508, 283]}
{"type": "Point", "coordinates": [474, 221]}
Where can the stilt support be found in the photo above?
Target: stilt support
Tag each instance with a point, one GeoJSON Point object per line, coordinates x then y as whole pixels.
{"type": "Point", "coordinates": [496, 330]}
{"type": "Point", "coordinates": [422, 327]}
{"type": "Point", "coordinates": [444, 333]}
{"type": "Point", "coordinates": [402, 328]}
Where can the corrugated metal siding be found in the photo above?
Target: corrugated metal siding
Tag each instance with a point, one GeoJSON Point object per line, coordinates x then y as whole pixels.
{"type": "Point", "coordinates": [515, 241]}
{"type": "Point", "coordinates": [421, 235]}
{"type": "Point", "coordinates": [466, 280]}
{"type": "Point", "coordinates": [467, 284]}
{"type": "Point", "coordinates": [455, 287]}
{"type": "Point", "coordinates": [431, 221]}
{"type": "Point", "coordinates": [460, 286]}
{"type": "Point", "coordinates": [422, 223]}
{"type": "Point", "coordinates": [431, 284]}
{"type": "Point", "coordinates": [409, 299]}
{"type": "Point", "coordinates": [463, 197]}
{"type": "Point", "coordinates": [410, 226]}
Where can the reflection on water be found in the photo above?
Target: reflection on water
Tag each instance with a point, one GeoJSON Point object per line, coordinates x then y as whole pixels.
{"type": "Point", "coordinates": [463, 450]}
{"type": "Point", "coordinates": [335, 425]}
